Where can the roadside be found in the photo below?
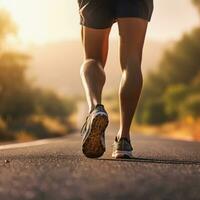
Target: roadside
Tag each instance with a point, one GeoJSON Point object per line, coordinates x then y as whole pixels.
{"type": "Point", "coordinates": [187, 129]}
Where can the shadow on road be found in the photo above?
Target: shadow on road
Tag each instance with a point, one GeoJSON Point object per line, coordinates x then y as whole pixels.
{"type": "Point", "coordinates": [152, 160]}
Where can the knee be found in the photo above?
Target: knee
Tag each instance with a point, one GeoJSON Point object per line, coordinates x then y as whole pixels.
{"type": "Point", "coordinates": [132, 66]}
{"type": "Point", "coordinates": [132, 71]}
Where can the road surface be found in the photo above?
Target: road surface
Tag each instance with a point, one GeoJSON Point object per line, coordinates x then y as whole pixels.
{"type": "Point", "coordinates": [56, 170]}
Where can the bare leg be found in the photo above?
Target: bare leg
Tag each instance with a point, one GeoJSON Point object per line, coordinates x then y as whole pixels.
{"type": "Point", "coordinates": [95, 43]}
{"type": "Point", "coordinates": [132, 35]}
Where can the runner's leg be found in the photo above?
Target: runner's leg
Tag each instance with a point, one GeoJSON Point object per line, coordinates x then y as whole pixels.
{"type": "Point", "coordinates": [95, 43]}
{"type": "Point", "coordinates": [132, 33]}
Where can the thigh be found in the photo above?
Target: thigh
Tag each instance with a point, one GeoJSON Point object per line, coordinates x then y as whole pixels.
{"type": "Point", "coordinates": [132, 33]}
{"type": "Point", "coordinates": [95, 43]}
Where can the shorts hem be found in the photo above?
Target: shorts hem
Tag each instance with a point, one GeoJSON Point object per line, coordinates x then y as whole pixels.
{"type": "Point", "coordinates": [135, 16]}
{"type": "Point", "coordinates": [95, 27]}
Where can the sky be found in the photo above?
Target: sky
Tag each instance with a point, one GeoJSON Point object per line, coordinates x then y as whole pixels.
{"type": "Point", "coordinates": [44, 21]}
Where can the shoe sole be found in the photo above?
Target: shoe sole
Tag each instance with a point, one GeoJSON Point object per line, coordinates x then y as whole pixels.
{"type": "Point", "coordinates": [122, 154]}
{"type": "Point", "coordinates": [92, 146]}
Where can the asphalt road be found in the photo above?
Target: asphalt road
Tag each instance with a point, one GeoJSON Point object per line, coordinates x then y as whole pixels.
{"type": "Point", "coordinates": [57, 170]}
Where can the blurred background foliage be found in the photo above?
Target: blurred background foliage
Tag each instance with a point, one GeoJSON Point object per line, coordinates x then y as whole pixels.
{"type": "Point", "coordinates": [171, 91]}
{"type": "Point", "coordinates": [197, 4]}
{"type": "Point", "coordinates": [27, 112]}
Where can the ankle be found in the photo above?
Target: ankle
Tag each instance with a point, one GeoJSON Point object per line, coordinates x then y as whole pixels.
{"type": "Point", "coordinates": [119, 136]}
{"type": "Point", "coordinates": [93, 106]}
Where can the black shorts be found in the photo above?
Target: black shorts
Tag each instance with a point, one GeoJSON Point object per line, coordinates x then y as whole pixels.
{"type": "Point", "coordinates": [101, 14]}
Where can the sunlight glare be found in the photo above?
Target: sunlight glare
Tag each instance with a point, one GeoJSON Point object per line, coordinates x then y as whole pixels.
{"type": "Point", "coordinates": [36, 19]}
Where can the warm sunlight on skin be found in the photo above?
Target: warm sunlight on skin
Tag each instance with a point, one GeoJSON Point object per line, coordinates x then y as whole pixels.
{"type": "Point", "coordinates": [42, 21]}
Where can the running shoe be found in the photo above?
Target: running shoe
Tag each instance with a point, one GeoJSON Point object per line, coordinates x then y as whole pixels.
{"type": "Point", "coordinates": [122, 148]}
{"type": "Point", "coordinates": [93, 132]}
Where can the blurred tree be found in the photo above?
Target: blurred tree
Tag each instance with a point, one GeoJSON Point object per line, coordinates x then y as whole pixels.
{"type": "Point", "coordinates": [191, 107]}
{"type": "Point", "coordinates": [173, 98]}
{"type": "Point", "coordinates": [180, 65]}
{"type": "Point", "coordinates": [154, 112]}
{"type": "Point", "coordinates": [16, 99]}
{"type": "Point", "coordinates": [197, 3]}
{"type": "Point", "coordinates": [49, 103]}
{"type": "Point", "coordinates": [7, 27]}
{"type": "Point", "coordinates": [196, 81]}
{"type": "Point", "coordinates": [20, 102]}
{"type": "Point", "coordinates": [15, 92]}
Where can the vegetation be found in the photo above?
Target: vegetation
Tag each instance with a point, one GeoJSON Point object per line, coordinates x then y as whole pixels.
{"type": "Point", "coordinates": [171, 92]}
{"type": "Point", "coordinates": [27, 112]}
{"type": "Point", "coordinates": [197, 4]}
{"type": "Point", "coordinates": [7, 27]}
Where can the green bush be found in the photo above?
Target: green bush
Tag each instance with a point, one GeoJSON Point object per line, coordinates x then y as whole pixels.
{"type": "Point", "coordinates": [50, 104]}
{"type": "Point", "coordinates": [7, 26]}
{"type": "Point", "coordinates": [191, 107]}
{"type": "Point", "coordinates": [154, 112]}
{"type": "Point", "coordinates": [175, 80]}
{"type": "Point", "coordinates": [16, 98]}
{"type": "Point", "coordinates": [173, 98]}
{"type": "Point", "coordinates": [20, 101]}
